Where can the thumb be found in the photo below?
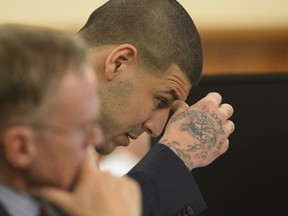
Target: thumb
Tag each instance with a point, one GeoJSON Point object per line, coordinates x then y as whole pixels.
{"type": "Point", "coordinates": [91, 161]}
{"type": "Point", "coordinates": [89, 166]}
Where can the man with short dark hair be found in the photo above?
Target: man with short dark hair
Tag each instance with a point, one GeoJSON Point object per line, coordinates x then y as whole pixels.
{"type": "Point", "coordinates": [148, 58]}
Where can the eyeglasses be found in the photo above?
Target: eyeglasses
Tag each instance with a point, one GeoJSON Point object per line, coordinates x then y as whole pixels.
{"type": "Point", "coordinates": [89, 130]}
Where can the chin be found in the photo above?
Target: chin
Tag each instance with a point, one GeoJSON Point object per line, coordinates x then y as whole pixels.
{"type": "Point", "coordinates": [70, 183]}
{"type": "Point", "coordinates": [66, 184]}
{"type": "Point", "coordinates": [106, 148]}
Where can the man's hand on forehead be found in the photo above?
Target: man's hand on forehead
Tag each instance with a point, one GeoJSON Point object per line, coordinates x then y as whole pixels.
{"type": "Point", "coordinates": [199, 134]}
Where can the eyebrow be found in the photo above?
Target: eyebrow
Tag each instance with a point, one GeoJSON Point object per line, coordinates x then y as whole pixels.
{"type": "Point", "coordinates": [173, 93]}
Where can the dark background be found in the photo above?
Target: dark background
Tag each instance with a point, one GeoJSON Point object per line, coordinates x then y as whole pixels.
{"type": "Point", "coordinates": [251, 177]}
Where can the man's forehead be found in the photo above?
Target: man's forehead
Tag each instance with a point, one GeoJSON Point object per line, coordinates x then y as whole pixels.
{"type": "Point", "coordinates": [176, 83]}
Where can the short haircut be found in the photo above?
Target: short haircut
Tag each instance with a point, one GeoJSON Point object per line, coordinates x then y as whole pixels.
{"type": "Point", "coordinates": [32, 61]}
{"type": "Point", "coordinates": [161, 30]}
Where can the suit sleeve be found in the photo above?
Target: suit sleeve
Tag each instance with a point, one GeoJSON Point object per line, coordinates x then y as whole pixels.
{"type": "Point", "coordinates": [168, 188]}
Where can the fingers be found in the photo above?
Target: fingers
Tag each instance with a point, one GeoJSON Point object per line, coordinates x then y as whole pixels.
{"type": "Point", "coordinates": [211, 98]}
{"type": "Point", "coordinates": [179, 106]}
{"type": "Point", "coordinates": [136, 196]}
{"type": "Point", "coordinates": [214, 97]}
{"type": "Point", "coordinates": [133, 189]}
{"type": "Point", "coordinates": [91, 160]}
{"type": "Point", "coordinates": [222, 148]}
{"type": "Point", "coordinates": [89, 165]}
{"type": "Point", "coordinates": [227, 110]}
{"type": "Point", "coordinates": [55, 196]}
{"type": "Point", "coordinates": [229, 127]}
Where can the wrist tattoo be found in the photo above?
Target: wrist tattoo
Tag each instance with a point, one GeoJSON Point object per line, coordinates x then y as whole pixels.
{"type": "Point", "coordinates": [183, 154]}
{"type": "Point", "coordinates": [205, 128]}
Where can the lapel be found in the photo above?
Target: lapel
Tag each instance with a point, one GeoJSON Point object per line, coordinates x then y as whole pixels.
{"type": "Point", "coordinates": [3, 212]}
{"type": "Point", "coordinates": [54, 211]}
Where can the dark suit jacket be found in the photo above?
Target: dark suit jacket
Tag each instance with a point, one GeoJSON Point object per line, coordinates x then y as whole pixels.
{"type": "Point", "coordinates": [168, 187]}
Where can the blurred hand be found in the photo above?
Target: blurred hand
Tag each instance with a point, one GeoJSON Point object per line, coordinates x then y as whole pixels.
{"type": "Point", "coordinates": [199, 134]}
{"type": "Point", "coordinates": [96, 193]}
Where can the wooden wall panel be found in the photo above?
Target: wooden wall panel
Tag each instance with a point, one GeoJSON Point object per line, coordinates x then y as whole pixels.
{"type": "Point", "coordinates": [245, 51]}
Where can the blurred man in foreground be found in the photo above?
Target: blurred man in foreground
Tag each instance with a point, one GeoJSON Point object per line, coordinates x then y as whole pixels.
{"type": "Point", "coordinates": [48, 116]}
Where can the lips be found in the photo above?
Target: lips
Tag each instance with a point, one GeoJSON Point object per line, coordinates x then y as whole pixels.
{"type": "Point", "coordinates": [126, 142]}
{"type": "Point", "coordinates": [132, 137]}
{"type": "Point", "coordinates": [124, 139]}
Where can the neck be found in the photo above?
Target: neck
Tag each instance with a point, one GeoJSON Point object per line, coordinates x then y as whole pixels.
{"type": "Point", "coordinates": [13, 179]}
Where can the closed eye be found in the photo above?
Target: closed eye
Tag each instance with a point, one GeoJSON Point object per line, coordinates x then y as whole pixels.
{"type": "Point", "coordinates": [161, 103]}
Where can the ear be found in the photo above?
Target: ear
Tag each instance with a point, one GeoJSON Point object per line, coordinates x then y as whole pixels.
{"type": "Point", "coordinates": [120, 59]}
{"type": "Point", "coordinates": [18, 145]}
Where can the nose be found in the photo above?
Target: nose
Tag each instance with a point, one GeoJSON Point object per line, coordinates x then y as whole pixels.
{"type": "Point", "coordinates": [156, 122]}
